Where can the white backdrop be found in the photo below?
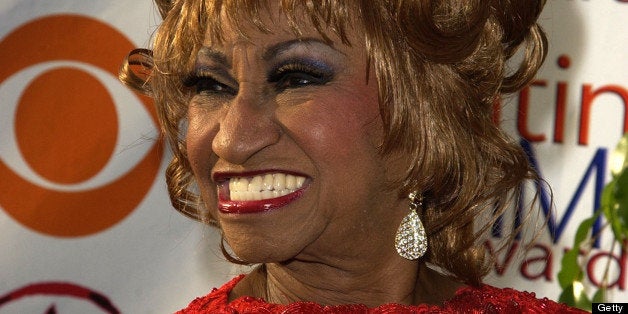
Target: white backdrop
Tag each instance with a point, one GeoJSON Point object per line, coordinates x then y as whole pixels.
{"type": "Point", "coordinates": [85, 222]}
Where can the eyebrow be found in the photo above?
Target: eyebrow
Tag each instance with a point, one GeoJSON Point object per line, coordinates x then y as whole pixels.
{"type": "Point", "coordinates": [214, 55]}
{"type": "Point", "coordinates": [284, 46]}
{"type": "Point", "coordinates": [271, 52]}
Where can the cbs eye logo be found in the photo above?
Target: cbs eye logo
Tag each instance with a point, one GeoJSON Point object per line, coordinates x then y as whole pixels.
{"type": "Point", "coordinates": [85, 298]}
{"type": "Point", "coordinates": [78, 150]}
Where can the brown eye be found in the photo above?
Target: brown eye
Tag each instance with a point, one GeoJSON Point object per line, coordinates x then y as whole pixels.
{"type": "Point", "coordinates": [207, 85]}
{"type": "Point", "coordinates": [298, 79]}
{"type": "Point", "coordinates": [296, 74]}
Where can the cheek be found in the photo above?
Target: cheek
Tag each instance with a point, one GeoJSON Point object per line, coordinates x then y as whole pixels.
{"type": "Point", "coordinates": [340, 132]}
{"type": "Point", "coordinates": [346, 121]}
{"type": "Point", "coordinates": [199, 136]}
{"type": "Point", "coordinates": [194, 144]}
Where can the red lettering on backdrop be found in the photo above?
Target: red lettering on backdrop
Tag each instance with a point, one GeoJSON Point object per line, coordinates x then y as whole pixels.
{"type": "Point", "coordinates": [528, 267]}
{"type": "Point", "coordinates": [522, 118]}
{"type": "Point", "coordinates": [603, 257]}
{"type": "Point", "coordinates": [500, 269]}
{"type": "Point", "coordinates": [564, 62]}
{"type": "Point", "coordinates": [542, 265]}
{"type": "Point", "coordinates": [559, 119]}
{"type": "Point", "coordinates": [587, 98]}
{"type": "Point", "coordinates": [588, 95]}
{"type": "Point", "coordinates": [544, 260]}
{"type": "Point", "coordinates": [66, 127]}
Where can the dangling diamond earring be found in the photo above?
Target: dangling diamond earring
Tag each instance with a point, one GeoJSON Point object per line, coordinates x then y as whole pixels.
{"type": "Point", "coordinates": [410, 241]}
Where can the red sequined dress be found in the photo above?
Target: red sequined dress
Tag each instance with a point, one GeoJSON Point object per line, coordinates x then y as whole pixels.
{"type": "Point", "coordinates": [485, 299]}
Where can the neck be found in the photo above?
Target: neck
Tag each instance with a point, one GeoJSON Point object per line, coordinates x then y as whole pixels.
{"type": "Point", "coordinates": [330, 271]}
{"type": "Point", "coordinates": [331, 285]}
{"type": "Point", "coordinates": [298, 281]}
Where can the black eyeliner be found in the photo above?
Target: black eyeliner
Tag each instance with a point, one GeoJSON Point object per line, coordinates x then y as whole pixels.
{"type": "Point", "coordinates": [318, 69]}
{"type": "Point", "coordinates": [199, 72]}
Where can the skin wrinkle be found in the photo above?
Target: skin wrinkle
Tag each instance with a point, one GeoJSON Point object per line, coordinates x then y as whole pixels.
{"type": "Point", "coordinates": [326, 128]}
{"type": "Point", "coordinates": [283, 293]}
{"type": "Point", "coordinates": [417, 82]}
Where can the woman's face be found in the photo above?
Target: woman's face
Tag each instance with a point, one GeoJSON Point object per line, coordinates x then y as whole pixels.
{"type": "Point", "coordinates": [283, 140]}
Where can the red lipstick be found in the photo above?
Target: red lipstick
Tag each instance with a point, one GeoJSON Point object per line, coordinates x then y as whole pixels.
{"type": "Point", "coordinates": [250, 207]}
{"type": "Point", "coordinates": [229, 206]}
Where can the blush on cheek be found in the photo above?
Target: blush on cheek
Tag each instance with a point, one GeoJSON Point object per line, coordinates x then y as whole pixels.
{"type": "Point", "coordinates": [356, 116]}
{"type": "Point", "coordinates": [339, 118]}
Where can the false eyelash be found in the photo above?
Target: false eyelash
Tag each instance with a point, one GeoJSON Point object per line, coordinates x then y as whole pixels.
{"type": "Point", "coordinates": [202, 79]}
{"type": "Point", "coordinates": [315, 69]}
{"type": "Point", "coordinates": [192, 78]}
{"type": "Point", "coordinates": [201, 72]}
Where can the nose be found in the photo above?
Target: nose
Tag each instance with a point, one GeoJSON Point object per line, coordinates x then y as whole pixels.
{"type": "Point", "coordinates": [246, 127]}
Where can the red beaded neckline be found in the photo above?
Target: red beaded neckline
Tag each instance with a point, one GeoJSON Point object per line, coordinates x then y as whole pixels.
{"type": "Point", "coordinates": [484, 299]}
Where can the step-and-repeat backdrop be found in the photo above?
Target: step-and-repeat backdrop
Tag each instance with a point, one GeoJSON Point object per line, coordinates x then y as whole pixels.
{"type": "Point", "coordinates": [85, 222]}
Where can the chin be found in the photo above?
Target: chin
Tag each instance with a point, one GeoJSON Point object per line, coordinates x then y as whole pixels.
{"type": "Point", "coordinates": [256, 252]}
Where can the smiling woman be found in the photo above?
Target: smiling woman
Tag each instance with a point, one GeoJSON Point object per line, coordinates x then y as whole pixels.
{"type": "Point", "coordinates": [309, 125]}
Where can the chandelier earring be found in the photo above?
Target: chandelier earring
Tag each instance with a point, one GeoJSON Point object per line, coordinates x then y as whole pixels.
{"type": "Point", "coordinates": [410, 240]}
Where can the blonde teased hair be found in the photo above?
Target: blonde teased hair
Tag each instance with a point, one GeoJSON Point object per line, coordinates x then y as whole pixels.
{"type": "Point", "coordinates": [440, 65]}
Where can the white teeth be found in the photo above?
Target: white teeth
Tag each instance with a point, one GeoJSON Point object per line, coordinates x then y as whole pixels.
{"type": "Point", "coordinates": [300, 181]}
{"type": "Point", "coordinates": [256, 184]}
{"type": "Point", "coordinates": [291, 182]}
{"type": "Point", "coordinates": [242, 184]}
{"type": "Point", "coordinates": [268, 182]}
{"type": "Point", "coordinates": [255, 196]}
{"type": "Point", "coordinates": [264, 186]}
{"type": "Point", "coordinates": [267, 194]}
{"type": "Point", "coordinates": [279, 182]}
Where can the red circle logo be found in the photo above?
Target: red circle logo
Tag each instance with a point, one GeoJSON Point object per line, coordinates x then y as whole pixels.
{"type": "Point", "coordinates": [69, 160]}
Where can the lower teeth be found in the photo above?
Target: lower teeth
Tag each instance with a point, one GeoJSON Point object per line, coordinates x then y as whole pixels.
{"type": "Point", "coordinates": [256, 196]}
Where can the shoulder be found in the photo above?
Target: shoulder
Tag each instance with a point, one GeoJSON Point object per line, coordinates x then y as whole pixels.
{"type": "Point", "coordinates": [491, 299]}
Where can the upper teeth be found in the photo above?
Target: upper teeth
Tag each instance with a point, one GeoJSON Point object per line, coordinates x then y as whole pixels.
{"type": "Point", "coordinates": [262, 187]}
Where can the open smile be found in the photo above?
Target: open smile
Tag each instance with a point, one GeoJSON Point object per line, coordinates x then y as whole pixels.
{"type": "Point", "coordinates": [257, 193]}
